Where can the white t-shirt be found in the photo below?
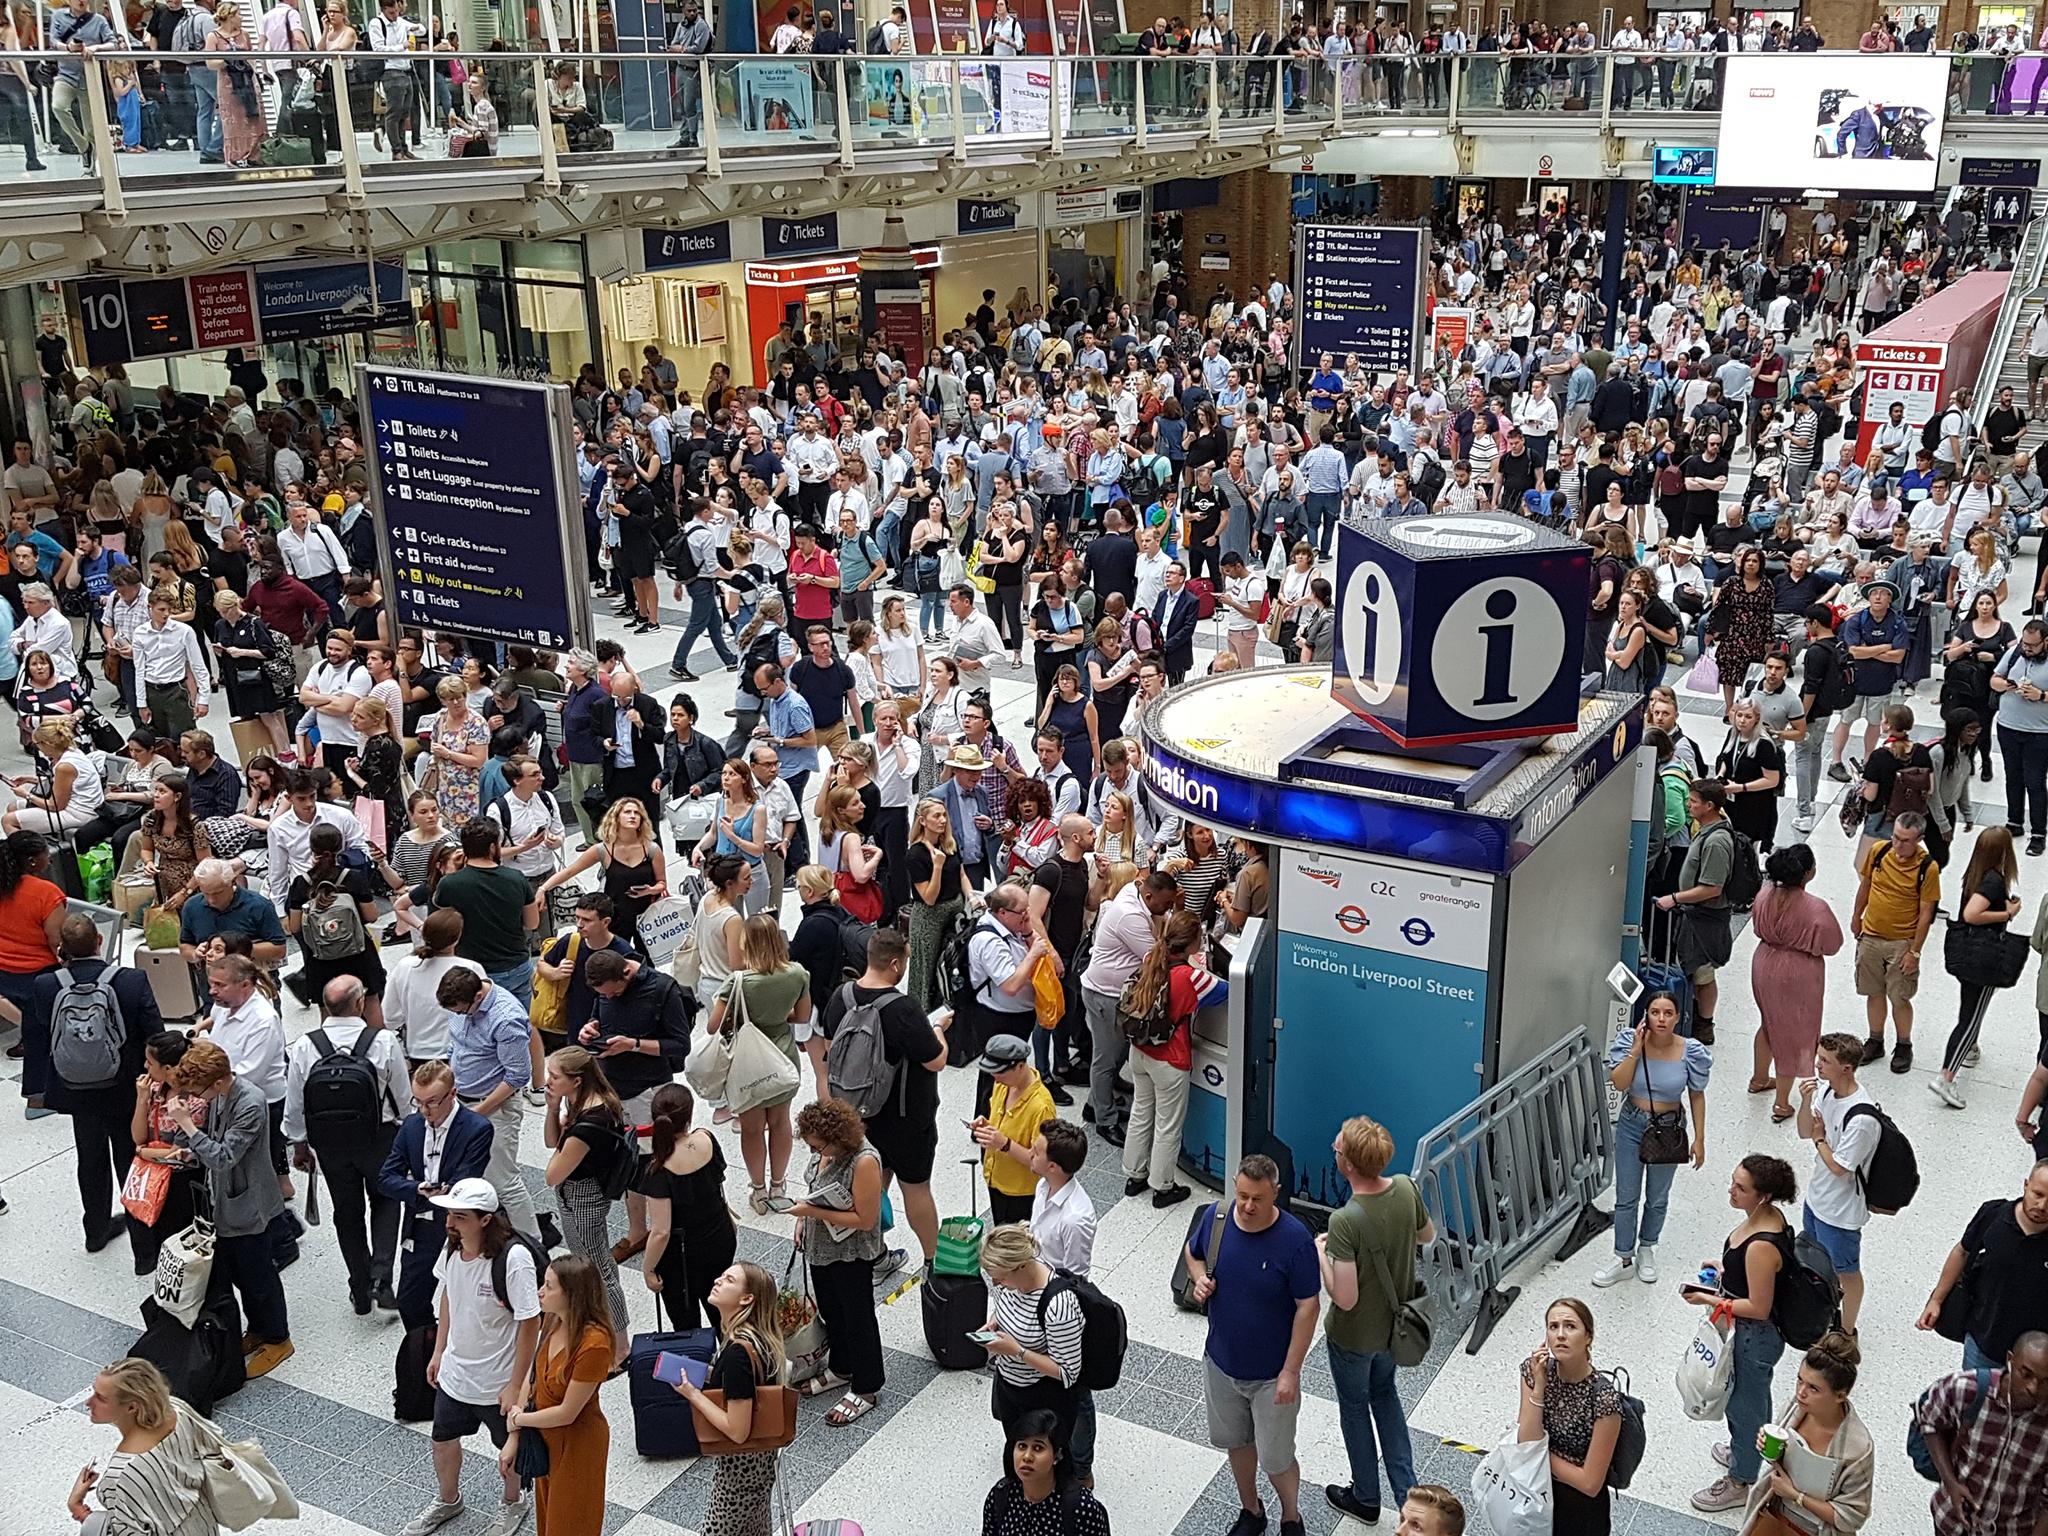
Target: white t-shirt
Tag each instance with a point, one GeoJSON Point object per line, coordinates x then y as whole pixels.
{"type": "Point", "coordinates": [253, 1039]}
{"type": "Point", "coordinates": [1837, 1198]}
{"type": "Point", "coordinates": [483, 1333]}
{"type": "Point", "coordinates": [1247, 589]}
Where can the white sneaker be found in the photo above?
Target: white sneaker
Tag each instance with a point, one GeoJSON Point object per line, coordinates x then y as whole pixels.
{"type": "Point", "coordinates": [1946, 1091]}
{"type": "Point", "coordinates": [510, 1518]}
{"type": "Point", "coordinates": [1803, 822]}
{"type": "Point", "coordinates": [1646, 1264]}
{"type": "Point", "coordinates": [432, 1518]}
{"type": "Point", "coordinates": [1615, 1269]}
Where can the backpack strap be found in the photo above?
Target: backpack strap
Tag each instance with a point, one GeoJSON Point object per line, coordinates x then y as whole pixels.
{"type": "Point", "coordinates": [322, 1043]}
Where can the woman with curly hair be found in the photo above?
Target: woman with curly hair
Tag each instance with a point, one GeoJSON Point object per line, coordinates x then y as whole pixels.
{"type": "Point", "coordinates": [840, 1233]}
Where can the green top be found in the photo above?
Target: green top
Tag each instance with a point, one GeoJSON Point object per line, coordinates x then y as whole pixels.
{"type": "Point", "coordinates": [770, 997]}
{"type": "Point", "coordinates": [1388, 1224]}
{"type": "Point", "coordinates": [492, 900]}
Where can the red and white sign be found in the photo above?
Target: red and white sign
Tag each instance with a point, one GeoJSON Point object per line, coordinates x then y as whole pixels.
{"type": "Point", "coordinates": [1910, 373]}
{"type": "Point", "coordinates": [1453, 330]}
{"type": "Point", "coordinates": [223, 309]}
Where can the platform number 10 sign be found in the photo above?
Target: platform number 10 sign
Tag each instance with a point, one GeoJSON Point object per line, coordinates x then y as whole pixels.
{"type": "Point", "coordinates": [1449, 635]}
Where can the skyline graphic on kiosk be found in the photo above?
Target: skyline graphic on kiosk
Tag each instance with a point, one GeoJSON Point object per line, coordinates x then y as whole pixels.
{"type": "Point", "coordinates": [1843, 122]}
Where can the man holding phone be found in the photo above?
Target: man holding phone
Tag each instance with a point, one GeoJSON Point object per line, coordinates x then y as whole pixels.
{"type": "Point", "coordinates": [438, 1145]}
{"type": "Point", "coordinates": [641, 1033]}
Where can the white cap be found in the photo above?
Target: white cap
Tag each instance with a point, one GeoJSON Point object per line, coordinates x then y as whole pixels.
{"type": "Point", "coordinates": [478, 1195]}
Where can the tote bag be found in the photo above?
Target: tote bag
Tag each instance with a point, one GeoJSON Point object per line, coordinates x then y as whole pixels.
{"type": "Point", "coordinates": [184, 1265]}
{"type": "Point", "coordinates": [760, 1073]}
{"type": "Point", "coordinates": [243, 1487]}
{"type": "Point", "coordinates": [1511, 1489]}
{"type": "Point", "coordinates": [1706, 1372]}
{"type": "Point", "coordinates": [145, 1189]}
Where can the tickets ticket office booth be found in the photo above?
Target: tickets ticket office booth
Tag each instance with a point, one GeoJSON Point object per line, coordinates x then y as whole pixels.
{"type": "Point", "coordinates": [1440, 916]}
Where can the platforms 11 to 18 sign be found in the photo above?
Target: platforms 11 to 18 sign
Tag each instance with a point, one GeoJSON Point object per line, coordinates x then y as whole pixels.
{"type": "Point", "coordinates": [1361, 288]}
{"type": "Point", "coordinates": [482, 533]}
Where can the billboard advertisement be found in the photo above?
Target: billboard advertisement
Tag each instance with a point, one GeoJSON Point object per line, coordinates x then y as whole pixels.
{"type": "Point", "coordinates": [1361, 288]}
{"type": "Point", "coordinates": [1842, 121]}
{"type": "Point", "coordinates": [1674, 165]}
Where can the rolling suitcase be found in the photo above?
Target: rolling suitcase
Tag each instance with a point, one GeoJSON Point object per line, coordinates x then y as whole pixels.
{"type": "Point", "coordinates": [954, 1297]}
{"type": "Point", "coordinates": [1663, 974]}
{"type": "Point", "coordinates": [662, 1425]}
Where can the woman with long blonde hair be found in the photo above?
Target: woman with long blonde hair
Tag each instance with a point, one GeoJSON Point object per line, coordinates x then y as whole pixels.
{"type": "Point", "coordinates": [744, 1299]}
{"type": "Point", "coordinates": [635, 868]}
{"type": "Point", "coordinates": [938, 889]}
{"type": "Point", "coordinates": [585, 1131]}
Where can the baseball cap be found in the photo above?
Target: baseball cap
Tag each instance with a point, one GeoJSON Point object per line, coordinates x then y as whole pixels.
{"type": "Point", "coordinates": [468, 1195]}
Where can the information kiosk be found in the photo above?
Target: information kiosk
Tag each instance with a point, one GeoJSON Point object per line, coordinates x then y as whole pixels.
{"type": "Point", "coordinates": [1442, 910]}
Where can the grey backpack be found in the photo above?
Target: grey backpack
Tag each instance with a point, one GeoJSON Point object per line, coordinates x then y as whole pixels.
{"type": "Point", "coordinates": [87, 1032]}
{"type": "Point", "coordinates": [857, 1067]}
{"type": "Point", "coordinates": [334, 931]}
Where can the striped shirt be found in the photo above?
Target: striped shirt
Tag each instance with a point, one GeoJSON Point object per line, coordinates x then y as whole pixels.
{"type": "Point", "coordinates": [157, 1491]}
{"type": "Point", "coordinates": [1016, 1314]}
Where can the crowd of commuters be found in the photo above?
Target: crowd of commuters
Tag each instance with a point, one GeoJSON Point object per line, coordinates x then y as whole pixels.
{"type": "Point", "coordinates": [1136, 496]}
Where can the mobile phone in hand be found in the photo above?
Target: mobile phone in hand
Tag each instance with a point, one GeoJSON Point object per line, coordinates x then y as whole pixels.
{"type": "Point", "coordinates": [984, 1336]}
{"type": "Point", "coordinates": [779, 1204]}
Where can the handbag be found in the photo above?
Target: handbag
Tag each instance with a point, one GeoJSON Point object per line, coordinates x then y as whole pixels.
{"type": "Point", "coordinates": [858, 898]}
{"type": "Point", "coordinates": [1511, 1487]}
{"type": "Point", "coordinates": [1664, 1138]}
{"type": "Point", "coordinates": [184, 1265]}
{"type": "Point", "coordinates": [282, 675]}
{"type": "Point", "coordinates": [1952, 1322]}
{"type": "Point", "coordinates": [760, 1073]}
{"type": "Point", "coordinates": [663, 927]}
{"type": "Point", "coordinates": [1048, 993]}
{"type": "Point", "coordinates": [1277, 616]}
{"type": "Point", "coordinates": [145, 1189]}
{"type": "Point", "coordinates": [530, 1460]}
{"type": "Point", "coordinates": [241, 1486]}
{"type": "Point", "coordinates": [774, 1423]}
{"type": "Point", "coordinates": [803, 1328]}
{"type": "Point", "coordinates": [1705, 675]}
{"type": "Point", "coordinates": [1410, 1342]}
{"type": "Point", "coordinates": [1706, 1372]}
{"type": "Point", "coordinates": [1983, 954]}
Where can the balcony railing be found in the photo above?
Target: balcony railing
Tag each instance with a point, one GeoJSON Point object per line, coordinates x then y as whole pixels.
{"type": "Point", "coordinates": [126, 119]}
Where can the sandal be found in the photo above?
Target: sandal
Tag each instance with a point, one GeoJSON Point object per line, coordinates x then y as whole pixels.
{"type": "Point", "coordinates": [1780, 1116]}
{"type": "Point", "coordinates": [820, 1384]}
{"type": "Point", "coordinates": [1761, 1084]}
{"type": "Point", "coordinates": [850, 1407]}
{"type": "Point", "coordinates": [757, 1199]}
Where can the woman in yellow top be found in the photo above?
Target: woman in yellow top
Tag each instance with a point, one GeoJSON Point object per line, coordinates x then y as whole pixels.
{"type": "Point", "coordinates": [1018, 1106]}
{"type": "Point", "coordinates": [572, 1362]}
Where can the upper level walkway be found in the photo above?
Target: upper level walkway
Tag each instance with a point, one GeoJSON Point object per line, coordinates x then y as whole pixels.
{"type": "Point", "coordinates": [796, 135]}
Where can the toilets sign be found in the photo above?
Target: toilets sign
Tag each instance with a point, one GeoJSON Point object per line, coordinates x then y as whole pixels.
{"type": "Point", "coordinates": [1458, 629]}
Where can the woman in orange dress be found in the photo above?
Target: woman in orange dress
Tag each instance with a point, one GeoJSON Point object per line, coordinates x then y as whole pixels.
{"type": "Point", "coordinates": [571, 1363]}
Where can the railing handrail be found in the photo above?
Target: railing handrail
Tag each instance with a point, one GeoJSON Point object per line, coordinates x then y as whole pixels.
{"type": "Point", "coordinates": [2027, 265]}
{"type": "Point", "coordinates": [1304, 56]}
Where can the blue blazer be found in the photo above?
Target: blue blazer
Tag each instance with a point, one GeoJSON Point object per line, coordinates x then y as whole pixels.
{"type": "Point", "coordinates": [1177, 640]}
{"type": "Point", "coordinates": [466, 1155]}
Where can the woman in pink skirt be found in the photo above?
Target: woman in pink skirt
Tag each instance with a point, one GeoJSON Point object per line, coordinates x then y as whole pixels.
{"type": "Point", "coordinates": [1796, 932]}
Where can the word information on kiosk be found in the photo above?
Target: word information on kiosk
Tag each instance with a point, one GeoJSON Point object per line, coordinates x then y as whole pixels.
{"type": "Point", "coordinates": [1459, 629]}
{"type": "Point", "coordinates": [1382, 985]}
{"type": "Point", "coordinates": [481, 532]}
{"type": "Point", "coordinates": [1361, 288]}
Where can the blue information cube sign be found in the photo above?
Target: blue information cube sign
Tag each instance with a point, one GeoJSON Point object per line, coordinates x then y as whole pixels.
{"type": "Point", "coordinates": [1361, 288]}
{"type": "Point", "coordinates": [1683, 165]}
{"type": "Point", "coordinates": [1456, 629]}
{"type": "Point", "coordinates": [482, 530]}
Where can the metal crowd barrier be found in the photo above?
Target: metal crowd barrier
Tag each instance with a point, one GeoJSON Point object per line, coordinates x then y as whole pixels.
{"type": "Point", "coordinates": [1501, 1175]}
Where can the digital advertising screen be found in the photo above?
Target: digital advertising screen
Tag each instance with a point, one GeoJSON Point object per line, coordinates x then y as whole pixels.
{"type": "Point", "coordinates": [1674, 165]}
{"type": "Point", "coordinates": [1846, 122]}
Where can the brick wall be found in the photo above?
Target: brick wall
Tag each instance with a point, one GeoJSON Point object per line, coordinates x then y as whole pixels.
{"type": "Point", "coordinates": [1252, 225]}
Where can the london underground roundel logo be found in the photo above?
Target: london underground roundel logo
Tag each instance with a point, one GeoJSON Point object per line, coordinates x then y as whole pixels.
{"type": "Point", "coordinates": [1417, 931]}
{"type": "Point", "coordinates": [1352, 919]}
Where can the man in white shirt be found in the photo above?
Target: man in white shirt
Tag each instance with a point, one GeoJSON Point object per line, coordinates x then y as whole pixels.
{"type": "Point", "coordinates": [244, 1025]}
{"type": "Point", "coordinates": [484, 1344]}
{"type": "Point", "coordinates": [312, 553]}
{"type": "Point", "coordinates": [1843, 1142]}
{"type": "Point", "coordinates": [1894, 439]}
{"type": "Point", "coordinates": [330, 693]}
{"type": "Point", "coordinates": [1053, 772]}
{"type": "Point", "coordinates": [348, 1126]}
{"type": "Point", "coordinates": [972, 637]}
{"type": "Point", "coordinates": [290, 850]}
{"type": "Point", "coordinates": [531, 821]}
{"type": "Point", "coordinates": [240, 416]}
{"type": "Point", "coordinates": [170, 689]}
{"type": "Point", "coordinates": [1537, 417]}
{"type": "Point", "coordinates": [816, 461]}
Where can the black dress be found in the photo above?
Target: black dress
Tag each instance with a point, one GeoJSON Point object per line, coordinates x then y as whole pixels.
{"type": "Point", "coordinates": [1753, 813]}
{"type": "Point", "coordinates": [702, 1239]}
{"type": "Point", "coordinates": [619, 880]}
{"type": "Point", "coordinates": [249, 691]}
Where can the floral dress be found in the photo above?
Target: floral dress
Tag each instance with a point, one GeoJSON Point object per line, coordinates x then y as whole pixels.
{"type": "Point", "coordinates": [177, 854]}
{"type": "Point", "coordinates": [1746, 625]}
{"type": "Point", "coordinates": [1570, 1410]}
{"type": "Point", "coordinates": [458, 789]}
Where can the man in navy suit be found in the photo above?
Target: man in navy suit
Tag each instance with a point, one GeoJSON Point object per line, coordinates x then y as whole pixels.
{"type": "Point", "coordinates": [439, 1144]}
{"type": "Point", "coordinates": [1176, 613]}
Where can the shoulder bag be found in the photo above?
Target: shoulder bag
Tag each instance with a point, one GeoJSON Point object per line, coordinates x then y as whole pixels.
{"type": "Point", "coordinates": [709, 1067]}
{"type": "Point", "coordinates": [760, 1073]}
{"type": "Point", "coordinates": [1410, 1340]}
{"type": "Point", "coordinates": [240, 1485]}
{"type": "Point", "coordinates": [774, 1425]}
{"type": "Point", "coordinates": [1664, 1138]}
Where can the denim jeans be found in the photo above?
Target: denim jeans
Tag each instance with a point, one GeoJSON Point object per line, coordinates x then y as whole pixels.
{"type": "Point", "coordinates": [1974, 1358]}
{"type": "Point", "coordinates": [1639, 1188]}
{"type": "Point", "coordinates": [1806, 754]}
{"type": "Point", "coordinates": [705, 619]}
{"type": "Point", "coordinates": [518, 980]}
{"type": "Point", "coordinates": [931, 612]}
{"type": "Point", "coordinates": [1367, 1403]}
{"type": "Point", "coordinates": [1757, 1347]}
{"type": "Point", "coordinates": [1324, 510]}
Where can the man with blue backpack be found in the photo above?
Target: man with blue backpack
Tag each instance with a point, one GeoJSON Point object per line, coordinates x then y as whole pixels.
{"type": "Point", "coordinates": [90, 1018]}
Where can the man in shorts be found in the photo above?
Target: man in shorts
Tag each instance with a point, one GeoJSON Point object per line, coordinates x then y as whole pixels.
{"type": "Point", "coordinates": [1835, 1212]}
{"type": "Point", "coordinates": [1263, 1293]}
{"type": "Point", "coordinates": [1898, 887]}
{"type": "Point", "coordinates": [1702, 937]}
{"type": "Point", "coordinates": [1876, 639]}
{"type": "Point", "coordinates": [905, 1131]}
{"type": "Point", "coordinates": [484, 1341]}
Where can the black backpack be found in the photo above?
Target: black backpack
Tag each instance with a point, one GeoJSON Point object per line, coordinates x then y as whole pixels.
{"type": "Point", "coordinates": [853, 945]}
{"type": "Point", "coordinates": [956, 976]}
{"type": "Point", "coordinates": [518, 1239]}
{"type": "Point", "coordinates": [1891, 1178]}
{"type": "Point", "coordinates": [1808, 1298]}
{"type": "Point", "coordinates": [878, 40]}
{"type": "Point", "coordinates": [1838, 687]}
{"type": "Point", "coordinates": [344, 1092]}
{"type": "Point", "coordinates": [1634, 1437]}
{"type": "Point", "coordinates": [1745, 874]}
{"type": "Point", "coordinates": [1104, 1338]}
{"type": "Point", "coordinates": [680, 559]}
{"type": "Point", "coordinates": [1930, 431]}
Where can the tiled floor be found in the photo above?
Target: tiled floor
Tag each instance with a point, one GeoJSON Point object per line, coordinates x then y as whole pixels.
{"type": "Point", "coordinates": [919, 1466]}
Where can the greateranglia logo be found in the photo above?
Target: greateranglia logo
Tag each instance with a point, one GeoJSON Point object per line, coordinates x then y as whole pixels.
{"type": "Point", "coordinates": [1175, 782]}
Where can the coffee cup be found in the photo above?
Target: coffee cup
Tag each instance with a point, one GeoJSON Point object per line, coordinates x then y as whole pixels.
{"type": "Point", "coordinates": [1772, 1438]}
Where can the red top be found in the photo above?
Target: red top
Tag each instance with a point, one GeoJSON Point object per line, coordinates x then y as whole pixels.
{"type": "Point", "coordinates": [24, 947]}
{"type": "Point", "coordinates": [813, 603]}
{"type": "Point", "coordinates": [1187, 989]}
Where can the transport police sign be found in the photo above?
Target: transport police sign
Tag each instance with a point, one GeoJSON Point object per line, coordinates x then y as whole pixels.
{"type": "Point", "coordinates": [1455, 629]}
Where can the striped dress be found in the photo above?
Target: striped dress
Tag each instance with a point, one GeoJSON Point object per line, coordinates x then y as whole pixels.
{"type": "Point", "coordinates": [160, 1491]}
